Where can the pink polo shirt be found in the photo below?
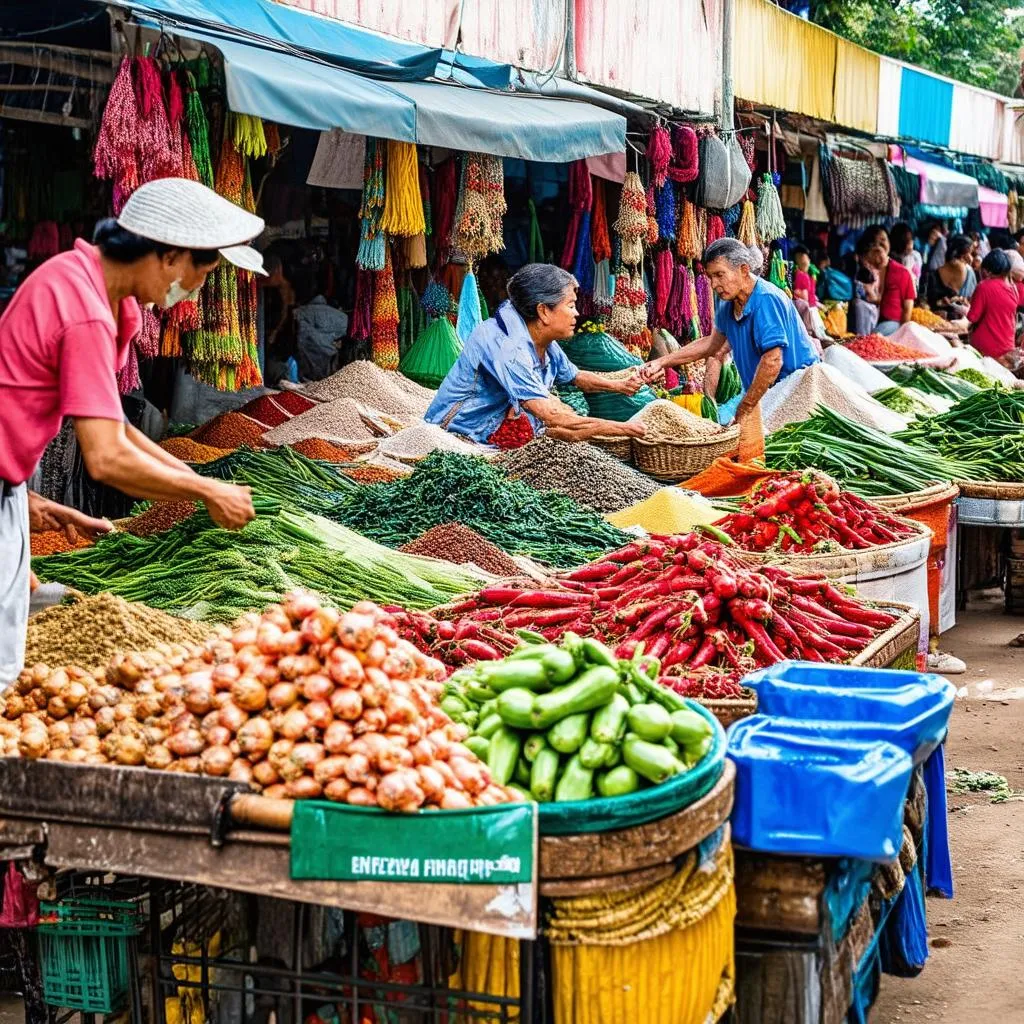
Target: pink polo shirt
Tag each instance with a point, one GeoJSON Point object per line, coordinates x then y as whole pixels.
{"type": "Point", "coordinates": [60, 350]}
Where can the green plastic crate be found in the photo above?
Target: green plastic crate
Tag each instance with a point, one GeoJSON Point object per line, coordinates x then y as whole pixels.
{"type": "Point", "coordinates": [84, 954]}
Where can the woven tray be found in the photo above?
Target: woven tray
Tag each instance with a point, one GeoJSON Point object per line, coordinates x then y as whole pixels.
{"type": "Point", "coordinates": [731, 709]}
{"type": "Point", "coordinates": [673, 461]}
{"type": "Point", "coordinates": [620, 447]}
{"type": "Point", "coordinates": [896, 641]}
{"type": "Point", "coordinates": [995, 491]}
{"type": "Point", "coordinates": [901, 504]}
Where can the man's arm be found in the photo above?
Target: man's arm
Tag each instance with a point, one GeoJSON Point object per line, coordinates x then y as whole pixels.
{"type": "Point", "coordinates": [44, 514]}
{"type": "Point", "coordinates": [591, 382]}
{"type": "Point", "coordinates": [713, 345]}
{"type": "Point", "coordinates": [152, 449]}
{"type": "Point", "coordinates": [768, 369]}
{"type": "Point", "coordinates": [563, 422]}
{"type": "Point", "coordinates": [113, 459]}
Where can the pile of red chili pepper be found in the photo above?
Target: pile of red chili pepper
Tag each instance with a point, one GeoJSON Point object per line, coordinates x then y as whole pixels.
{"type": "Point", "coordinates": [807, 512]}
{"type": "Point", "coordinates": [877, 349]}
{"type": "Point", "coordinates": [689, 600]}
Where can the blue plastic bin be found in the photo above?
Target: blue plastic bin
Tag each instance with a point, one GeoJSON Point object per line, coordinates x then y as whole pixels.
{"type": "Point", "coordinates": [817, 789]}
{"type": "Point", "coordinates": [909, 709]}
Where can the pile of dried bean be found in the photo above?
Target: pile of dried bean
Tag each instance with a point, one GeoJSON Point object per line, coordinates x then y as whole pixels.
{"type": "Point", "coordinates": [463, 546]}
{"type": "Point", "coordinates": [187, 450]}
{"type": "Point", "coordinates": [158, 518]}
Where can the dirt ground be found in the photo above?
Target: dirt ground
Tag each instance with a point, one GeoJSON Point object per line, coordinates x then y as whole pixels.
{"type": "Point", "coordinates": [974, 974]}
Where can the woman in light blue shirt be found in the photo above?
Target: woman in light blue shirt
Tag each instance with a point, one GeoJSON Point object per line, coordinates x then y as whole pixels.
{"type": "Point", "coordinates": [511, 362]}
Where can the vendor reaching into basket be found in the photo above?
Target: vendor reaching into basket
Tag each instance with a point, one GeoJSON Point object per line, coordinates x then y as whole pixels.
{"type": "Point", "coordinates": [63, 339]}
{"type": "Point", "coordinates": [499, 390]}
{"type": "Point", "coordinates": [755, 319]}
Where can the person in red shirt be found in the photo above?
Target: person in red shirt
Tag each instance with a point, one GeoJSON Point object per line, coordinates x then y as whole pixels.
{"type": "Point", "coordinates": [63, 337]}
{"type": "Point", "coordinates": [895, 289]}
{"type": "Point", "coordinates": [993, 312]}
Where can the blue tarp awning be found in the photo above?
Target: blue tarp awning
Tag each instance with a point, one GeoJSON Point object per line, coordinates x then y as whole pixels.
{"type": "Point", "coordinates": [306, 90]}
{"type": "Point", "coordinates": [357, 49]}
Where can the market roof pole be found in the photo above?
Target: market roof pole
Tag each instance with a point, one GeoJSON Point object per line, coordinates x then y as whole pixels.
{"type": "Point", "coordinates": [726, 117]}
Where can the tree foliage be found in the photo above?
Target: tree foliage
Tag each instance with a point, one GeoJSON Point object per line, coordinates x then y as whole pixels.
{"type": "Point", "coordinates": [973, 41]}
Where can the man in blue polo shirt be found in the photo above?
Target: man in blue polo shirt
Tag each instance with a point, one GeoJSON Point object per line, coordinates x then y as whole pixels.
{"type": "Point", "coordinates": [755, 319]}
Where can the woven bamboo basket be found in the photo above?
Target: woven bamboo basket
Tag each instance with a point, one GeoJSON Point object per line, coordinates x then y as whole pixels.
{"type": "Point", "coordinates": [673, 461]}
{"type": "Point", "coordinates": [620, 447]}
{"type": "Point", "coordinates": [902, 504]}
{"type": "Point", "coordinates": [994, 491]}
{"type": "Point", "coordinates": [732, 709]}
{"type": "Point", "coordinates": [851, 564]}
{"type": "Point", "coordinates": [897, 641]}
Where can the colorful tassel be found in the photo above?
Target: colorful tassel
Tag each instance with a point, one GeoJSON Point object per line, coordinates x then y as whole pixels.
{"type": "Point", "coordinates": [436, 300]}
{"type": "Point", "coordinates": [384, 329]}
{"type": "Point", "coordinates": [664, 271]}
{"type": "Point", "coordinates": [361, 327]}
{"type": "Point", "coordinates": [665, 207]}
{"type": "Point", "coordinates": [446, 193]}
{"type": "Point", "coordinates": [770, 222]}
{"type": "Point", "coordinates": [659, 153]}
{"type": "Point", "coordinates": [583, 265]}
{"type": "Point", "coordinates": [469, 308]}
{"type": "Point", "coordinates": [403, 204]}
{"type": "Point", "coordinates": [746, 232]}
{"type": "Point", "coordinates": [372, 241]}
{"type": "Point", "coordinates": [247, 135]}
{"type": "Point", "coordinates": [599, 237]}
{"type": "Point", "coordinates": [631, 224]}
{"type": "Point", "coordinates": [688, 245]}
{"type": "Point", "coordinates": [715, 229]}
{"type": "Point", "coordinates": [705, 305]}
{"type": "Point", "coordinates": [481, 207]}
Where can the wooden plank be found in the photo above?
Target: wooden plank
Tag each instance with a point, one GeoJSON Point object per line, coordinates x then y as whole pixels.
{"type": "Point", "coordinates": [44, 117]}
{"type": "Point", "coordinates": [257, 863]}
{"type": "Point", "coordinates": [605, 883]}
{"type": "Point", "coordinates": [592, 854]}
{"type": "Point", "coordinates": [71, 51]}
{"type": "Point", "coordinates": [61, 65]}
{"type": "Point", "coordinates": [779, 893]}
{"type": "Point", "coordinates": [102, 795]}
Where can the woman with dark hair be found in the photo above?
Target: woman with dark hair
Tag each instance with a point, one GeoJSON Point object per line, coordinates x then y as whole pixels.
{"type": "Point", "coordinates": [946, 285]}
{"type": "Point", "coordinates": [993, 312]}
{"type": "Point", "coordinates": [901, 246]}
{"type": "Point", "coordinates": [499, 390]}
{"type": "Point", "coordinates": [887, 285]}
{"type": "Point", "coordinates": [63, 338]}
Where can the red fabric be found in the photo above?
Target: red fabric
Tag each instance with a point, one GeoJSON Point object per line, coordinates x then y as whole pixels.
{"type": "Point", "coordinates": [515, 431]}
{"type": "Point", "coordinates": [20, 905]}
{"type": "Point", "coordinates": [802, 281]}
{"type": "Point", "coordinates": [994, 315]}
{"type": "Point", "coordinates": [1020, 293]}
{"type": "Point", "coordinates": [899, 288]}
{"type": "Point", "coordinates": [60, 350]}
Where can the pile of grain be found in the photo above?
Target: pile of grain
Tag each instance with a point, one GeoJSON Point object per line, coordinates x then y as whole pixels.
{"type": "Point", "coordinates": [274, 409]}
{"type": "Point", "coordinates": [230, 430]}
{"type": "Point", "coordinates": [668, 510]}
{"type": "Point", "coordinates": [664, 421]}
{"type": "Point", "coordinates": [459, 544]}
{"type": "Point", "coordinates": [187, 450]}
{"type": "Point", "coordinates": [794, 400]}
{"type": "Point", "coordinates": [372, 474]}
{"type": "Point", "coordinates": [583, 471]}
{"type": "Point", "coordinates": [158, 518]}
{"type": "Point", "coordinates": [55, 542]}
{"type": "Point", "coordinates": [323, 451]}
{"type": "Point", "coordinates": [860, 371]}
{"type": "Point", "coordinates": [366, 382]}
{"type": "Point", "coordinates": [90, 631]}
{"type": "Point", "coordinates": [417, 442]}
{"type": "Point", "coordinates": [340, 420]}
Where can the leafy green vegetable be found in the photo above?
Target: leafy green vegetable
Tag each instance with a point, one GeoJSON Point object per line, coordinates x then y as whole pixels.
{"type": "Point", "coordinates": [446, 487]}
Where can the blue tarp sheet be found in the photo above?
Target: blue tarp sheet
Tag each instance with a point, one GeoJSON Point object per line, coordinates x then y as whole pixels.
{"type": "Point", "coordinates": [926, 107]}
{"type": "Point", "coordinates": [280, 69]}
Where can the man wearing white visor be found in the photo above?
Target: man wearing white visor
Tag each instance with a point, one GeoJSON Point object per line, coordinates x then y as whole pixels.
{"type": "Point", "coordinates": [63, 338]}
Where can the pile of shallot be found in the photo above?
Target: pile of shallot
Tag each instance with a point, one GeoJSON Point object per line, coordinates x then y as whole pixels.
{"type": "Point", "coordinates": [300, 701]}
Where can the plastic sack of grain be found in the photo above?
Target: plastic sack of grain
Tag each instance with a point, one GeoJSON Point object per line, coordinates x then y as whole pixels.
{"type": "Point", "coordinates": [920, 339]}
{"type": "Point", "coordinates": [794, 400]}
{"type": "Point", "coordinates": [860, 371]}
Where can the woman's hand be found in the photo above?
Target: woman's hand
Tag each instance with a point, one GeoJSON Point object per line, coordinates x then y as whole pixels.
{"type": "Point", "coordinates": [652, 370]}
{"type": "Point", "coordinates": [631, 385]}
{"type": "Point", "coordinates": [49, 515]}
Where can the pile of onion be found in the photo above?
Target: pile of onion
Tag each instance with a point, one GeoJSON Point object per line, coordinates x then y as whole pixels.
{"type": "Point", "coordinates": [300, 701]}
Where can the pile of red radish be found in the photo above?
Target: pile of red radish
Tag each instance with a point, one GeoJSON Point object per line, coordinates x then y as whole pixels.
{"type": "Point", "coordinates": [691, 601]}
{"type": "Point", "coordinates": [803, 513]}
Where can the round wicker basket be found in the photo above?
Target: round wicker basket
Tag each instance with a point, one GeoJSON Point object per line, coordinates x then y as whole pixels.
{"type": "Point", "coordinates": [673, 461]}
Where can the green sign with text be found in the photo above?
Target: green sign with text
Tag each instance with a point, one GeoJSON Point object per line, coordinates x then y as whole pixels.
{"type": "Point", "coordinates": [482, 846]}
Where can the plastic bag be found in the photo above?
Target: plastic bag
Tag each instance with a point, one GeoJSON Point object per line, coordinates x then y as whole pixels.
{"type": "Point", "coordinates": [810, 789]}
{"type": "Point", "coordinates": [20, 903]}
{"type": "Point", "coordinates": [909, 709]}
